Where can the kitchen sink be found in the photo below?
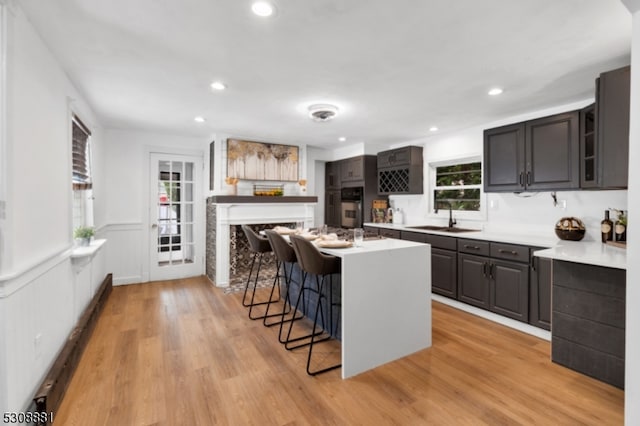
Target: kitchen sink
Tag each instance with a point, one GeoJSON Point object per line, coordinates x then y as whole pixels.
{"type": "Point", "coordinates": [429, 227]}
{"type": "Point", "coordinates": [443, 228]}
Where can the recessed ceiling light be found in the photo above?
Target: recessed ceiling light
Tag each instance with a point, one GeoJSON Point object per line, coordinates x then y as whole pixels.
{"type": "Point", "coordinates": [433, 129]}
{"type": "Point", "coordinates": [262, 8]}
{"type": "Point", "coordinates": [342, 139]}
{"type": "Point", "coordinates": [199, 119]}
{"type": "Point", "coordinates": [218, 85]}
{"type": "Point", "coordinates": [495, 91]}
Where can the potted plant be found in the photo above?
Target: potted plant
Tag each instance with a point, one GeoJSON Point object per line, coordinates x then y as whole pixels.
{"type": "Point", "coordinates": [83, 235]}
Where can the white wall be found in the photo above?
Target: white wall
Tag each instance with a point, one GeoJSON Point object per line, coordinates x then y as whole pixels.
{"type": "Point", "coordinates": [509, 211]}
{"type": "Point", "coordinates": [632, 355]}
{"type": "Point", "coordinates": [37, 282]}
{"type": "Point", "coordinates": [127, 195]}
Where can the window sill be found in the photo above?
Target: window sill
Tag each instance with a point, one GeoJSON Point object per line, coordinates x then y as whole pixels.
{"type": "Point", "coordinates": [80, 252]}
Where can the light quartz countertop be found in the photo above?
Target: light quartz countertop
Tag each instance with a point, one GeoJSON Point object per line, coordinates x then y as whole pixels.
{"type": "Point", "coordinates": [535, 240]}
{"type": "Point", "coordinates": [587, 252]}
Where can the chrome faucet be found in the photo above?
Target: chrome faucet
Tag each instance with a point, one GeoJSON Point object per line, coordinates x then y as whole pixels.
{"type": "Point", "coordinates": [452, 221]}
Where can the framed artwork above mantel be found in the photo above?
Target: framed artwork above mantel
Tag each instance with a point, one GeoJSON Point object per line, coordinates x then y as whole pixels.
{"type": "Point", "coordinates": [262, 161]}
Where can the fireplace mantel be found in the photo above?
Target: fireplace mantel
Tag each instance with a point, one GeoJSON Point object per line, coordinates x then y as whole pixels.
{"type": "Point", "coordinates": [251, 199]}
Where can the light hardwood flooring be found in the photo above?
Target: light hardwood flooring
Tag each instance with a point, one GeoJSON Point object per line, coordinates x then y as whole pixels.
{"type": "Point", "coordinates": [183, 353]}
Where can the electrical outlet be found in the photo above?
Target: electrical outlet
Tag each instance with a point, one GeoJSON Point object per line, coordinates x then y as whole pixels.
{"type": "Point", "coordinates": [493, 204]}
{"type": "Point", "coordinates": [562, 204]}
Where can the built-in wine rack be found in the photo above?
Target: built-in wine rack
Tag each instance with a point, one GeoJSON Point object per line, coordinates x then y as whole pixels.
{"type": "Point", "coordinates": [393, 181]}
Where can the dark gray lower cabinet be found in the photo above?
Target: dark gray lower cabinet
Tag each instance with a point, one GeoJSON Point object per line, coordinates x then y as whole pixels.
{"type": "Point", "coordinates": [473, 280]}
{"type": "Point", "coordinates": [502, 278]}
{"type": "Point", "coordinates": [588, 333]}
{"type": "Point", "coordinates": [488, 281]}
{"type": "Point", "coordinates": [332, 208]}
{"type": "Point", "coordinates": [444, 272]}
{"type": "Point", "coordinates": [508, 289]}
{"type": "Point", "coordinates": [540, 292]}
{"type": "Point", "coordinates": [444, 261]}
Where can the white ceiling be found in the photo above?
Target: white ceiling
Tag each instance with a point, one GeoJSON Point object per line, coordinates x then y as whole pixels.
{"type": "Point", "coordinates": [394, 68]}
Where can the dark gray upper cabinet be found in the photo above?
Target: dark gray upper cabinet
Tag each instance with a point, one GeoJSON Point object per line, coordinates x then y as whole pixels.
{"type": "Point", "coordinates": [536, 155]}
{"type": "Point", "coordinates": [332, 177]}
{"type": "Point", "coordinates": [400, 171]}
{"type": "Point", "coordinates": [612, 128]}
{"type": "Point", "coordinates": [504, 158]}
{"type": "Point", "coordinates": [352, 169]}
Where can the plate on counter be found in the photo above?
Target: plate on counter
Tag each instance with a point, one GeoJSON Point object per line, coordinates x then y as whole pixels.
{"type": "Point", "coordinates": [283, 230]}
{"type": "Point", "coordinates": [308, 237]}
{"type": "Point", "coordinates": [333, 243]}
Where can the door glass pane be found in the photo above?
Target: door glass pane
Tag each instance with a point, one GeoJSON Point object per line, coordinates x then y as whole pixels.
{"type": "Point", "coordinates": [175, 213]}
{"type": "Point", "coordinates": [188, 172]}
{"type": "Point", "coordinates": [176, 168]}
{"type": "Point", "coordinates": [188, 192]}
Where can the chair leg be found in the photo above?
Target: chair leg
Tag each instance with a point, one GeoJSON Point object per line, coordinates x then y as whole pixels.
{"type": "Point", "coordinates": [293, 309]}
{"type": "Point", "coordinates": [246, 285]}
{"type": "Point", "coordinates": [289, 339]}
{"type": "Point", "coordinates": [313, 341]}
{"type": "Point", "coordinates": [254, 303]}
{"type": "Point", "coordinates": [286, 308]}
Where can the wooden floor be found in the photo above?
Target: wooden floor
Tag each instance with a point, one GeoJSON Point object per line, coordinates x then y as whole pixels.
{"type": "Point", "coordinates": [183, 353]}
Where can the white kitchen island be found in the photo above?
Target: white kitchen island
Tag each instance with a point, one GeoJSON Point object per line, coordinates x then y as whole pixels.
{"type": "Point", "coordinates": [386, 302]}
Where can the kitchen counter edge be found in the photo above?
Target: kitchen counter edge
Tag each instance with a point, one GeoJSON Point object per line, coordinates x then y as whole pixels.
{"type": "Point", "coordinates": [586, 252]}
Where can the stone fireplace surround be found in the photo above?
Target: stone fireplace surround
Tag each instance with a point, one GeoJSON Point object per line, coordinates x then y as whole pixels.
{"type": "Point", "coordinates": [227, 254]}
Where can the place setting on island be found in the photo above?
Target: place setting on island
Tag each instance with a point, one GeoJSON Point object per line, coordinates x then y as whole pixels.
{"type": "Point", "coordinates": [323, 237]}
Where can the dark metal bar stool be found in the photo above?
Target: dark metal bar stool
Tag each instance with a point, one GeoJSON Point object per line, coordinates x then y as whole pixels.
{"type": "Point", "coordinates": [320, 265]}
{"type": "Point", "coordinates": [259, 246]}
{"type": "Point", "coordinates": [284, 255]}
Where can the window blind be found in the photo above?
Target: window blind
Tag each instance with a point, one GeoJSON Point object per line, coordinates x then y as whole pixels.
{"type": "Point", "coordinates": [81, 155]}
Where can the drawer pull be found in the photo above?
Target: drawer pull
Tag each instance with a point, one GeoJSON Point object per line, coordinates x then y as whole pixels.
{"type": "Point", "coordinates": [513, 252]}
{"type": "Point", "coordinates": [471, 247]}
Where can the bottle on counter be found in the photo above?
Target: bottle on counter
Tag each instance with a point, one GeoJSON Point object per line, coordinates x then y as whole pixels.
{"type": "Point", "coordinates": [620, 227]}
{"type": "Point", "coordinates": [606, 228]}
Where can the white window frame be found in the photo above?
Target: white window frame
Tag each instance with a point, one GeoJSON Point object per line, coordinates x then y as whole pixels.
{"type": "Point", "coordinates": [443, 213]}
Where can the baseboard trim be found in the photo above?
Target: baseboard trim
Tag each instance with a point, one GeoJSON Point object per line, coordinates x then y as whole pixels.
{"type": "Point", "coordinates": [51, 391]}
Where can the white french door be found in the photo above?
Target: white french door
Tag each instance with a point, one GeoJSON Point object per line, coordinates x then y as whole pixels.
{"type": "Point", "coordinates": [175, 217]}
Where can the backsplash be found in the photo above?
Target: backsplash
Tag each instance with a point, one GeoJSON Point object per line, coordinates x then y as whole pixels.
{"type": "Point", "coordinates": [527, 213]}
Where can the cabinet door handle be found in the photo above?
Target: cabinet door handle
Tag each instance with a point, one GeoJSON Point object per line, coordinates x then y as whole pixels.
{"type": "Point", "coordinates": [513, 252]}
{"type": "Point", "coordinates": [491, 270]}
{"type": "Point", "coordinates": [484, 269]}
{"type": "Point", "coordinates": [521, 179]}
{"type": "Point", "coordinates": [471, 247]}
{"type": "Point", "coordinates": [528, 178]}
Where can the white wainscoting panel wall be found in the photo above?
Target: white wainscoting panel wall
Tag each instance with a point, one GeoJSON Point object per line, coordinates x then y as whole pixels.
{"type": "Point", "coordinates": [125, 259]}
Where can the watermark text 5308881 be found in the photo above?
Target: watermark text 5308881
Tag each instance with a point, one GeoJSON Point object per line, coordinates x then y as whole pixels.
{"type": "Point", "coordinates": [38, 417]}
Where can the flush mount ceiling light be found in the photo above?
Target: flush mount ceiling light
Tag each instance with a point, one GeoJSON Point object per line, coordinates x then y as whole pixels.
{"type": "Point", "coordinates": [433, 129]}
{"type": "Point", "coordinates": [342, 139]}
{"type": "Point", "coordinates": [199, 119]}
{"type": "Point", "coordinates": [218, 85]}
{"type": "Point", "coordinates": [495, 91]}
{"type": "Point", "coordinates": [322, 112]}
{"type": "Point", "coordinates": [262, 8]}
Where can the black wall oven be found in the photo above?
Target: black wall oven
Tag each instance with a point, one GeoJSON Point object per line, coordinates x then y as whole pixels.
{"type": "Point", "coordinates": [351, 207]}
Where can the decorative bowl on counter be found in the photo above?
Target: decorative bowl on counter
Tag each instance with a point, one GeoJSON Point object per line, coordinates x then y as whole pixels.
{"type": "Point", "coordinates": [570, 228]}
